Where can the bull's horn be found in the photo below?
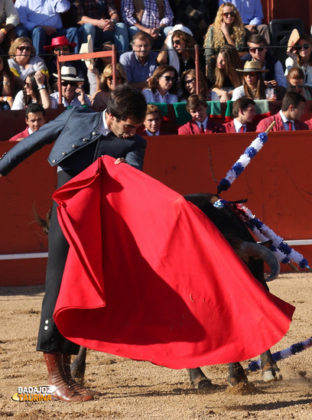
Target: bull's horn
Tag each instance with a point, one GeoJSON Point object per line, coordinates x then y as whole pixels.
{"type": "Point", "coordinates": [251, 249]}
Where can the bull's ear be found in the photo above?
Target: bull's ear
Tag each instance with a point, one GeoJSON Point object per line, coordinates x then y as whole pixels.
{"type": "Point", "coordinates": [267, 243]}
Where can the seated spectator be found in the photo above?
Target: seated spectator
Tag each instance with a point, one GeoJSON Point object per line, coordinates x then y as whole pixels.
{"type": "Point", "coordinates": [188, 86]}
{"type": "Point", "coordinates": [9, 85]}
{"type": "Point", "coordinates": [61, 46]}
{"type": "Point", "coordinates": [8, 21]}
{"type": "Point", "coordinates": [295, 79]}
{"type": "Point", "coordinates": [300, 55]}
{"type": "Point", "coordinates": [36, 90]}
{"type": "Point", "coordinates": [162, 85]}
{"type": "Point", "coordinates": [106, 86]}
{"type": "Point", "coordinates": [243, 111]}
{"type": "Point", "coordinates": [72, 92]}
{"type": "Point", "coordinates": [253, 85]}
{"type": "Point", "coordinates": [95, 67]}
{"type": "Point", "coordinates": [41, 20]}
{"type": "Point", "coordinates": [140, 63]}
{"type": "Point", "coordinates": [178, 50]}
{"type": "Point", "coordinates": [152, 122]}
{"type": "Point", "coordinates": [153, 17]}
{"type": "Point", "coordinates": [227, 29]}
{"type": "Point", "coordinates": [200, 123]}
{"type": "Point", "coordinates": [23, 59]}
{"type": "Point", "coordinates": [258, 50]}
{"type": "Point", "coordinates": [34, 118]}
{"type": "Point", "coordinates": [222, 73]}
{"type": "Point", "coordinates": [288, 118]}
{"type": "Point", "coordinates": [252, 16]}
{"type": "Point", "coordinates": [100, 19]}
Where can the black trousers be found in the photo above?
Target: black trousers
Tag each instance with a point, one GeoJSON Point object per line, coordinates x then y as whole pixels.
{"type": "Point", "coordinates": [50, 339]}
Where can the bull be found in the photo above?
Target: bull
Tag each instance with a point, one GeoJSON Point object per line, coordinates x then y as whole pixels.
{"type": "Point", "coordinates": [236, 233]}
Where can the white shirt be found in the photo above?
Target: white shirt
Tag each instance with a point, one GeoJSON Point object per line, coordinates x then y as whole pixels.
{"type": "Point", "coordinates": [34, 64]}
{"type": "Point", "coordinates": [151, 134]}
{"type": "Point", "coordinates": [168, 98]}
{"type": "Point", "coordinates": [285, 122]}
{"type": "Point", "coordinates": [238, 125]}
{"type": "Point", "coordinates": [204, 123]}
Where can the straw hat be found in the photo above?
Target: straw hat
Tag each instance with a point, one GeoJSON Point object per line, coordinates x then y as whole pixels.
{"type": "Point", "coordinates": [69, 73]}
{"type": "Point", "coordinates": [252, 66]}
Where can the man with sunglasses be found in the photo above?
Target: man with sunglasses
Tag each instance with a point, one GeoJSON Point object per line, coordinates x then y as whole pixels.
{"type": "Point", "coordinates": [80, 136]}
{"type": "Point", "coordinates": [72, 90]}
{"type": "Point", "coordinates": [258, 51]}
{"type": "Point", "coordinates": [252, 16]}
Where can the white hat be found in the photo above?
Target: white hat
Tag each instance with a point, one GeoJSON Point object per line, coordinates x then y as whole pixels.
{"type": "Point", "coordinates": [87, 47]}
{"type": "Point", "coordinates": [69, 73]}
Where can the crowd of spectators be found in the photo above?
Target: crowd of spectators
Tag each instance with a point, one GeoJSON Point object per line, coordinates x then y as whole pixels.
{"type": "Point", "coordinates": [155, 42]}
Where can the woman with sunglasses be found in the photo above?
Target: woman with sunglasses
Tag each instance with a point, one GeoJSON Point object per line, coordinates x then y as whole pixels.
{"type": "Point", "coordinates": [188, 85]}
{"type": "Point", "coordinates": [227, 29]}
{"type": "Point", "coordinates": [162, 85]}
{"type": "Point", "coordinates": [253, 85]}
{"type": "Point", "coordinates": [23, 60]}
{"type": "Point", "coordinates": [9, 85]}
{"type": "Point", "coordinates": [178, 50]}
{"type": "Point", "coordinates": [300, 55]}
{"type": "Point", "coordinates": [295, 79]}
{"type": "Point", "coordinates": [100, 98]}
{"type": "Point", "coordinates": [35, 90]}
{"type": "Point", "coordinates": [222, 75]}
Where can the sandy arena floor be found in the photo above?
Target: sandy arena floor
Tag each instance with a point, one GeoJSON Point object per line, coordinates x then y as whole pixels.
{"type": "Point", "coordinates": [135, 390]}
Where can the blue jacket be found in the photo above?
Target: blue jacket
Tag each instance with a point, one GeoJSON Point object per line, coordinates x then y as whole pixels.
{"type": "Point", "coordinates": [75, 130]}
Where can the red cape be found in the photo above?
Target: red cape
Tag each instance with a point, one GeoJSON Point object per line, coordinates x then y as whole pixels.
{"type": "Point", "coordinates": [149, 277]}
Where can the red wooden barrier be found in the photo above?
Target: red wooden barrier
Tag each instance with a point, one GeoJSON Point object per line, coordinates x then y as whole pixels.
{"type": "Point", "coordinates": [277, 184]}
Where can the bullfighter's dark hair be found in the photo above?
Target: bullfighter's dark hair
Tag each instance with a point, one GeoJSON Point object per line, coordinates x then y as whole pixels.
{"type": "Point", "coordinates": [292, 98]}
{"type": "Point", "coordinates": [194, 102]}
{"type": "Point", "coordinates": [241, 104]}
{"type": "Point", "coordinates": [34, 108]}
{"type": "Point", "coordinates": [127, 102]}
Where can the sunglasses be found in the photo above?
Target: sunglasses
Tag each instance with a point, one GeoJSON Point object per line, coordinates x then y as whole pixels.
{"type": "Point", "coordinates": [23, 48]}
{"type": "Point", "coordinates": [296, 87]}
{"type": "Point", "coordinates": [302, 47]}
{"type": "Point", "coordinates": [253, 50]}
{"type": "Point", "coordinates": [67, 82]}
{"type": "Point", "coordinates": [61, 49]}
{"type": "Point", "coordinates": [28, 85]}
{"type": "Point", "coordinates": [228, 14]}
{"type": "Point", "coordinates": [188, 82]}
{"type": "Point", "coordinates": [169, 79]}
{"type": "Point", "coordinates": [176, 42]}
{"type": "Point", "coordinates": [251, 74]}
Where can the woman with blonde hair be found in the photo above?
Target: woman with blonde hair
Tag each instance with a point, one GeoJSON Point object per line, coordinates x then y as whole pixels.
{"type": "Point", "coordinates": [227, 29]}
{"type": "Point", "coordinates": [222, 74]}
{"type": "Point", "coordinates": [23, 59]}
{"type": "Point", "coordinates": [253, 85]}
{"type": "Point", "coordinates": [100, 98]}
{"type": "Point", "coordinates": [162, 85]}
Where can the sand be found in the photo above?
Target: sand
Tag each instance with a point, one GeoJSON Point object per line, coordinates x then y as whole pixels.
{"type": "Point", "coordinates": [132, 390]}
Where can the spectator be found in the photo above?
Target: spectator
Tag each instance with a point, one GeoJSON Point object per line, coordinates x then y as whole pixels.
{"type": "Point", "coordinates": [243, 111]}
{"type": "Point", "coordinates": [9, 85]}
{"type": "Point", "coordinates": [99, 101]}
{"type": "Point", "coordinates": [309, 124]}
{"type": "Point", "coordinates": [288, 118]}
{"type": "Point", "coordinates": [23, 59]}
{"type": "Point", "coordinates": [178, 50]}
{"type": "Point", "coordinates": [154, 17]}
{"type": "Point", "coordinates": [140, 63]}
{"type": "Point", "coordinates": [34, 118]}
{"type": "Point", "coordinates": [188, 85]}
{"type": "Point", "coordinates": [61, 46]}
{"type": "Point", "coordinates": [258, 51]}
{"type": "Point", "coordinates": [200, 123]}
{"type": "Point", "coordinates": [8, 21]}
{"type": "Point", "coordinates": [227, 29]}
{"type": "Point", "coordinates": [300, 55]}
{"type": "Point", "coordinates": [295, 79]}
{"type": "Point", "coordinates": [222, 74]}
{"type": "Point", "coordinates": [252, 16]}
{"type": "Point", "coordinates": [152, 122]}
{"type": "Point", "coordinates": [100, 19]}
{"type": "Point", "coordinates": [253, 85]}
{"type": "Point", "coordinates": [36, 90]}
{"type": "Point", "coordinates": [162, 85]}
{"type": "Point", "coordinates": [197, 15]}
{"type": "Point", "coordinates": [41, 20]}
{"type": "Point", "coordinates": [72, 92]}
